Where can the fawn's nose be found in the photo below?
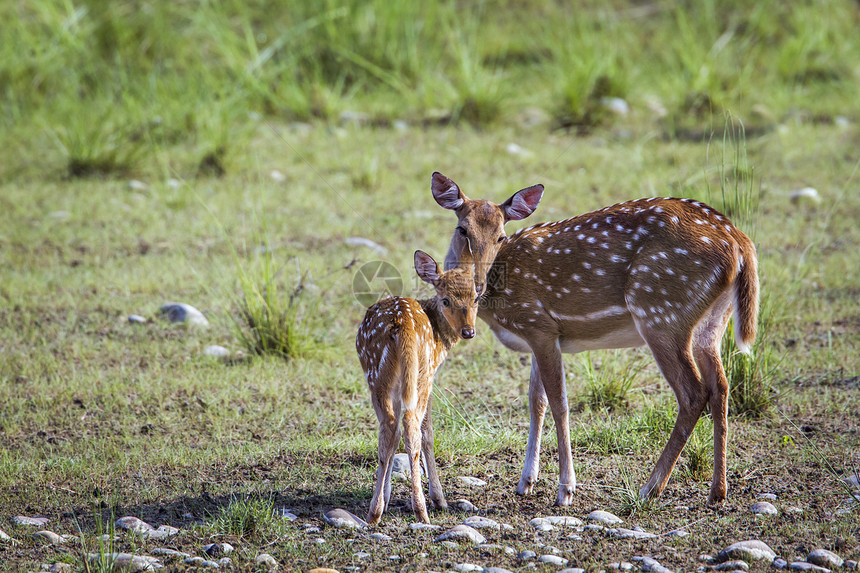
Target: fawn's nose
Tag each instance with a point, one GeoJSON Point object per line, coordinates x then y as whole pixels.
{"type": "Point", "coordinates": [467, 332]}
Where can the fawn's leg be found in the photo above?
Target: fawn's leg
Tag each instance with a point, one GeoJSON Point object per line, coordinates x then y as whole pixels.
{"type": "Point", "coordinates": [389, 437]}
{"type": "Point", "coordinates": [412, 438]}
{"type": "Point", "coordinates": [437, 496]}
{"type": "Point", "coordinates": [537, 410]}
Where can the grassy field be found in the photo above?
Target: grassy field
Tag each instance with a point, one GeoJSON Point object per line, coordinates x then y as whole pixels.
{"type": "Point", "coordinates": [207, 152]}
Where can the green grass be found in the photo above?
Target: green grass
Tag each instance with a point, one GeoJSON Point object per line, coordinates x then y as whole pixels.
{"type": "Point", "coordinates": [202, 102]}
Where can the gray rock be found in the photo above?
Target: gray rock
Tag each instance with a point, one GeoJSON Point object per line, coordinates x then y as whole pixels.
{"type": "Point", "coordinates": [419, 526]}
{"type": "Point", "coordinates": [287, 514]}
{"type": "Point", "coordinates": [449, 545]}
{"type": "Point", "coordinates": [22, 520]}
{"type": "Point", "coordinates": [208, 564]}
{"type": "Point", "coordinates": [194, 561]}
{"type": "Point", "coordinates": [277, 176]}
{"type": "Point", "coordinates": [308, 528]}
{"type": "Point", "coordinates": [467, 567]}
{"type": "Point", "coordinates": [496, 549]}
{"type": "Point", "coordinates": [552, 560]}
{"type": "Point", "coordinates": [678, 533]}
{"type": "Point", "coordinates": [464, 505]}
{"type": "Point", "coordinates": [603, 517]}
{"type": "Point", "coordinates": [807, 195]}
{"type": "Point", "coordinates": [526, 555]}
{"type": "Point", "coordinates": [541, 524]}
{"type": "Point", "coordinates": [225, 562]}
{"type": "Point", "coordinates": [621, 566]}
{"type": "Point", "coordinates": [136, 185]}
{"type": "Point", "coordinates": [804, 566]}
{"type": "Point", "coordinates": [125, 562]}
{"type": "Point", "coordinates": [853, 481]}
{"type": "Point", "coordinates": [779, 563]}
{"type": "Point", "coordinates": [462, 533]}
{"type": "Point", "coordinates": [319, 541]}
{"type": "Point", "coordinates": [572, 570]}
{"type": "Point", "coordinates": [184, 313]}
{"type": "Point", "coordinates": [767, 496]}
{"type": "Point", "coordinates": [215, 549]}
{"type": "Point", "coordinates": [216, 351]}
{"type": "Point", "coordinates": [564, 521]}
{"type": "Point", "coordinates": [379, 536]}
{"type": "Point", "coordinates": [136, 319]}
{"type": "Point", "coordinates": [763, 508]}
{"type": "Point", "coordinates": [593, 528]}
{"type": "Point", "coordinates": [133, 524]}
{"type": "Point", "coordinates": [471, 481]}
{"type": "Point", "coordinates": [850, 565]}
{"type": "Point", "coordinates": [616, 105]}
{"type": "Point", "coordinates": [825, 558]}
{"type": "Point", "coordinates": [342, 519]}
{"type": "Point", "coordinates": [705, 558]}
{"type": "Point", "coordinates": [736, 565]}
{"type": "Point", "coordinates": [752, 550]}
{"type": "Point", "coordinates": [361, 555]}
{"type": "Point", "coordinates": [4, 536]}
{"type": "Point", "coordinates": [163, 532]}
{"type": "Point", "coordinates": [50, 537]}
{"type": "Point", "coordinates": [622, 533]}
{"type": "Point", "coordinates": [60, 568]}
{"type": "Point", "coordinates": [169, 553]}
{"type": "Point", "coordinates": [400, 464]}
{"type": "Point", "coordinates": [479, 522]}
{"type": "Point", "coordinates": [550, 549]}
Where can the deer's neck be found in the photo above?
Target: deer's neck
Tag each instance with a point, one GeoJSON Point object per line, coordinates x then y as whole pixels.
{"type": "Point", "coordinates": [443, 331]}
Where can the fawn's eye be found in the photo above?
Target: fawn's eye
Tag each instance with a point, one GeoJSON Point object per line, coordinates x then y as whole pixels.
{"type": "Point", "coordinates": [446, 302]}
{"type": "Point", "coordinates": [462, 231]}
{"type": "Point", "coordinates": [502, 238]}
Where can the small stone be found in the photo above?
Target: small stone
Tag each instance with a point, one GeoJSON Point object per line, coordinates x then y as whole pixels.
{"type": "Point", "coordinates": [736, 565]}
{"type": "Point", "coordinates": [136, 185]}
{"type": "Point", "coordinates": [216, 351]}
{"type": "Point", "coordinates": [125, 562]}
{"type": "Point", "coordinates": [400, 125]}
{"type": "Point", "coordinates": [322, 570]}
{"type": "Point", "coordinates": [464, 505]}
{"type": "Point", "coordinates": [768, 496]}
{"type": "Point", "coordinates": [60, 568]}
{"type": "Point", "coordinates": [825, 558]}
{"type": "Point", "coordinates": [807, 194]}
{"type": "Point", "coordinates": [342, 519]}
{"type": "Point", "coordinates": [514, 149]}
{"type": "Point", "coordinates": [564, 521]}
{"type": "Point", "coordinates": [779, 563]}
{"type": "Point", "coordinates": [752, 550]}
{"type": "Point", "coordinates": [526, 555]}
{"type": "Point", "coordinates": [616, 105]}
{"type": "Point", "coordinates": [593, 528]}
{"type": "Point", "coordinates": [678, 533]}
{"type": "Point", "coordinates": [136, 319]}
{"type": "Point", "coordinates": [804, 566]}
{"type": "Point", "coordinates": [183, 313]}
{"type": "Point", "coordinates": [622, 533]}
{"type": "Point", "coordinates": [353, 117]}
{"type": "Point", "coordinates": [133, 524]}
{"type": "Point", "coordinates": [362, 242]}
{"type": "Point", "coordinates": [541, 524]}
{"type": "Point", "coordinates": [478, 522]}
{"type": "Point", "coordinates": [319, 541]}
{"type": "Point", "coordinates": [793, 509]}
{"type": "Point", "coordinates": [400, 464]}
{"type": "Point", "coordinates": [849, 564]}
{"type": "Point", "coordinates": [170, 553]}
{"type": "Point", "coordinates": [603, 517]}
{"type": "Point", "coordinates": [763, 508]}
{"type": "Point", "coordinates": [4, 536]}
{"type": "Point", "coordinates": [225, 562]}
{"type": "Point", "coordinates": [379, 536]}
{"type": "Point", "coordinates": [174, 183]}
{"type": "Point", "coordinates": [50, 537]}
{"type": "Point", "coordinates": [193, 561]}
{"type": "Point", "coordinates": [311, 529]}
{"type": "Point", "coordinates": [163, 532]}
{"type": "Point", "coordinates": [361, 555]}
{"type": "Point", "coordinates": [467, 567]}
{"type": "Point", "coordinates": [277, 176]}
{"type": "Point", "coordinates": [419, 526]}
{"type": "Point", "coordinates": [621, 566]}
{"type": "Point", "coordinates": [496, 549]}
{"type": "Point", "coordinates": [462, 532]}
{"type": "Point", "coordinates": [853, 481]}
{"type": "Point", "coordinates": [449, 545]}
{"type": "Point", "coordinates": [471, 481]}
{"type": "Point", "coordinates": [287, 514]}
{"type": "Point", "coordinates": [21, 520]}
{"type": "Point", "coordinates": [221, 548]}
{"type": "Point", "coordinates": [209, 564]}
{"type": "Point", "coordinates": [572, 570]}
{"type": "Point", "coordinates": [552, 560]}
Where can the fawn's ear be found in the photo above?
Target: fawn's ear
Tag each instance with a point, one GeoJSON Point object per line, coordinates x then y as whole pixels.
{"type": "Point", "coordinates": [522, 203]}
{"type": "Point", "coordinates": [446, 192]}
{"type": "Point", "coordinates": [427, 268]}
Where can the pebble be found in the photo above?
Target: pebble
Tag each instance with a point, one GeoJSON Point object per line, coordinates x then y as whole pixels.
{"type": "Point", "coordinates": [735, 565]}
{"type": "Point", "coordinates": [621, 566]}
{"type": "Point", "coordinates": [319, 541]}
{"type": "Point", "coordinates": [526, 555]}
{"type": "Point", "coordinates": [493, 548]}
{"type": "Point", "coordinates": [379, 536]}
{"type": "Point", "coordinates": [853, 481]}
{"type": "Point", "coordinates": [419, 526]}
{"type": "Point", "coordinates": [361, 555]}
{"type": "Point", "coordinates": [216, 351]}
{"type": "Point", "coordinates": [462, 532]}
{"type": "Point", "coordinates": [804, 566]}
{"type": "Point", "coordinates": [478, 522]}
{"type": "Point", "coordinates": [467, 567]}
{"type": "Point", "coordinates": [464, 505]}
{"type": "Point", "coordinates": [850, 565]}
{"type": "Point", "coordinates": [163, 532]}
{"type": "Point", "coordinates": [21, 520]}
{"type": "Point", "coordinates": [136, 319]}
{"type": "Point", "coordinates": [552, 560]}
{"type": "Point", "coordinates": [4, 536]}
{"type": "Point", "coordinates": [125, 562]}
{"type": "Point", "coordinates": [136, 185]}
{"type": "Point", "coordinates": [210, 564]}
{"type": "Point", "coordinates": [169, 553]}
{"type": "Point", "coordinates": [342, 519]}
{"type": "Point", "coordinates": [768, 496]}
{"type": "Point", "coordinates": [678, 533]}
{"type": "Point", "coordinates": [616, 105]}
{"type": "Point", "coordinates": [572, 570]}
{"type": "Point", "coordinates": [779, 563]}
{"type": "Point", "coordinates": [51, 537]}
{"type": "Point", "coordinates": [564, 520]}
{"type": "Point", "coordinates": [604, 517]}
{"type": "Point", "coordinates": [400, 464]}
{"type": "Point", "coordinates": [471, 481]}
{"type": "Point", "coordinates": [133, 524]}
{"type": "Point", "coordinates": [59, 567]}
{"type": "Point", "coordinates": [763, 508]}
{"type": "Point", "coordinates": [362, 242]}
{"type": "Point", "coordinates": [515, 149]}
{"type": "Point", "coordinates": [593, 528]}
{"type": "Point", "coordinates": [184, 313]}
{"type": "Point", "coordinates": [194, 561]}
{"type": "Point", "coordinates": [825, 558]}
{"type": "Point", "coordinates": [622, 533]}
{"type": "Point", "coordinates": [752, 550]}
{"type": "Point", "coordinates": [288, 515]}
{"type": "Point", "coordinates": [221, 548]}
{"type": "Point", "coordinates": [541, 524]}
{"type": "Point", "coordinates": [808, 194]}
{"type": "Point", "coordinates": [277, 176]}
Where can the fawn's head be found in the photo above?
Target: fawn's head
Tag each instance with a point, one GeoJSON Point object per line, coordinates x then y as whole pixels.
{"type": "Point", "coordinates": [455, 293]}
{"type": "Point", "coordinates": [480, 227]}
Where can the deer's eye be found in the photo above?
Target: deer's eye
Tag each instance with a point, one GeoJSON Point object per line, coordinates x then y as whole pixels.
{"type": "Point", "coordinates": [446, 302]}
{"type": "Point", "coordinates": [462, 231]}
{"type": "Point", "coordinates": [502, 238]}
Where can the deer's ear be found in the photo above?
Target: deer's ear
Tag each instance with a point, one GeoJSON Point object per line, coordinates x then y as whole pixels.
{"type": "Point", "coordinates": [427, 268]}
{"type": "Point", "coordinates": [522, 203]}
{"type": "Point", "coordinates": [446, 192]}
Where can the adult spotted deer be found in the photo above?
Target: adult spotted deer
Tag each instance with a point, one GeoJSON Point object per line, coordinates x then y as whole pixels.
{"type": "Point", "coordinates": [400, 343]}
{"type": "Point", "coordinates": [665, 273]}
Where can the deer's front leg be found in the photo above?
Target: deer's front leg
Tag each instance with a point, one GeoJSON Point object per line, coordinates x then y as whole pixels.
{"type": "Point", "coordinates": [548, 358]}
{"type": "Point", "coordinates": [537, 410]}
{"type": "Point", "coordinates": [437, 496]}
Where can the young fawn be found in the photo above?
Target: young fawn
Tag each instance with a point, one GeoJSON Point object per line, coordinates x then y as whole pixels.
{"type": "Point", "coordinates": [401, 343]}
{"type": "Point", "coordinates": [666, 273]}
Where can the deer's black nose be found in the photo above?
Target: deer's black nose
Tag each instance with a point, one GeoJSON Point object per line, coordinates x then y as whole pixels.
{"type": "Point", "coordinates": [467, 332]}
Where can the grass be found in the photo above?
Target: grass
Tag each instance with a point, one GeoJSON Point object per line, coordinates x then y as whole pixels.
{"type": "Point", "coordinates": [203, 102]}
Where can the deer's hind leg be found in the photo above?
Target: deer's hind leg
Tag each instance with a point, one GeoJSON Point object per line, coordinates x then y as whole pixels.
{"type": "Point", "coordinates": [437, 496]}
{"type": "Point", "coordinates": [388, 414]}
